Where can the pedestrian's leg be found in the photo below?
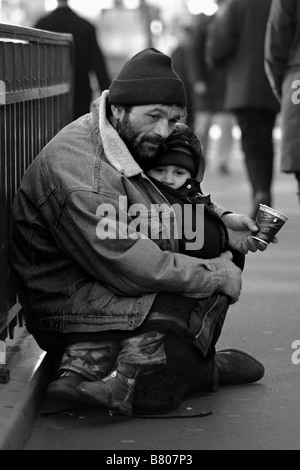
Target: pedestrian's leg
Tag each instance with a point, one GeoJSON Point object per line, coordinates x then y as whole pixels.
{"type": "Point", "coordinates": [225, 120]}
{"type": "Point", "coordinates": [250, 146]}
{"type": "Point", "coordinates": [257, 143]}
{"type": "Point", "coordinates": [297, 175]}
{"type": "Point", "coordinates": [267, 124]}
{"type": "Point", "coordinates": [203, 122]}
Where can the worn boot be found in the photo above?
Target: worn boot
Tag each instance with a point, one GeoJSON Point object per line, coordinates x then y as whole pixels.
{"type": "Point", "coordinates": [237, 367]}
{"type": "Point", "coordinates": [114, 392]}
{"type": "Point", "coordinates": [64, 388]}
{"type": "Point", "coordinates": [297, 174]}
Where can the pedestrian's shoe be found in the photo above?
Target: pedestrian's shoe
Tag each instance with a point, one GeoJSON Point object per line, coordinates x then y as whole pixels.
{"type": "Point", "coordinates": [64, 388]}
{"type": "Point", "coordinates": [114, 392]}
{"type": "Point", "coordinates": [298, 191]}
{"type": "Point", "coordinates": [224, 170]}
{"type": "Point", "coordinates": [237, 367]}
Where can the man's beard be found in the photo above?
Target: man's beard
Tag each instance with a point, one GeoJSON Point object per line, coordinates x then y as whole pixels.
{"type": "Point", "coordinates": [137, 146]}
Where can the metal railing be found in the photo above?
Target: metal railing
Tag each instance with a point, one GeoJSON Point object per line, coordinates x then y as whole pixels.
{"type": "Point", "coordinates": [36, 90]}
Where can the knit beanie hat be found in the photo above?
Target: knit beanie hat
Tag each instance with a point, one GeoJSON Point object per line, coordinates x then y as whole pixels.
{"type": "Point", "coordinates": [178, 156]}
{"type": "Point", "coordinates": [182, 148]}
{"type": "Point", "coordinates": [147, 78]}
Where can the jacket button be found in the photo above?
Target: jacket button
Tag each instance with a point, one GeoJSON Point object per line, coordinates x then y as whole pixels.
{"type": "Point", "coordinates": [189, 186]}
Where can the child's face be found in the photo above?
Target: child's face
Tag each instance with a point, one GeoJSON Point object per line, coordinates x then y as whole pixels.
{"type": "Point", "coordinates": [173, 175]}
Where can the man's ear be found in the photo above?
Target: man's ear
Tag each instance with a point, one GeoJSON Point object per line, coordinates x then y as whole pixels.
{"type": "Point", "coordinates": [117, 111]}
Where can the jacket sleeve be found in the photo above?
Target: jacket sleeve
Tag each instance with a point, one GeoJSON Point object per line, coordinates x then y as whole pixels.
{"type": "Point", "coordinates": [129, 266]}
{"type": "Point", "coordinates": [279, 38]}
{"type": "Point", "coordinates": [223, 36]}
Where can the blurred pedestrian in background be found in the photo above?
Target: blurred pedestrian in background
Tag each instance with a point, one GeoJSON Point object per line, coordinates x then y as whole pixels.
{"type": "Point", "coordinates": [88, 55]}
{"type": "Point", "coordinates": [209, 90]}
{"type": "Point", "coordinates": [182, 58]}
{"type": "Point", "coordinates": [282, 55]}
{"type": "Point", "coordinates": [237, 40]}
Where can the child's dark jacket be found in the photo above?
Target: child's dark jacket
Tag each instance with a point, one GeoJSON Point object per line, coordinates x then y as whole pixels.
{"type": "Point", "coordinates": [215, 231]}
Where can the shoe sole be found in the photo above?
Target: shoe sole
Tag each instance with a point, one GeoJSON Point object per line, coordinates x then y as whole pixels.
{"type": "Point", "coordinates": [106, 404]}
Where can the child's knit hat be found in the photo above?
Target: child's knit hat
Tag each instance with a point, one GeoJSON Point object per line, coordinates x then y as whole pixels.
{"type": "Point", "coordinates": [182, 148]}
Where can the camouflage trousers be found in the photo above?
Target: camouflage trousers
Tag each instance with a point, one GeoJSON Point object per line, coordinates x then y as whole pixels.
{"type": "Point", "coordinates": [94, 360]}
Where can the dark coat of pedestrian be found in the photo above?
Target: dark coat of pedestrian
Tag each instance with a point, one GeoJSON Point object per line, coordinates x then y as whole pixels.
{"type": "Point", "coordinates": [282, 54]}
{"type": "Point", "coordinates": [88, 54]}
{"type": "Point", "coordinates": [209, 91]}
{"type": "Point", "coordinates": [237, 40]}
{"type": "Point", "coordinates": [182, 58]}
{"type": "Point", "coordinates": [211, 98]}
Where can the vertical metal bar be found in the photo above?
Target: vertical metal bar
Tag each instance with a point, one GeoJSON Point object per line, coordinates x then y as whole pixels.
{"type": "Point", "coordinates": [23, 113]}
{"type": "Point", "coordinates": [18, 155]}
{"type": "Point", "coordinates": [39, 114]}
{"type": "Point", "coordinates": [32, 108]}
{"type": "Point", "coordinates": [3, 205]}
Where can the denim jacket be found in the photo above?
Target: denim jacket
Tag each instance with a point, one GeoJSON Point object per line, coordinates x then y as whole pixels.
{"type": "Point", "coordinates": [69, 277]}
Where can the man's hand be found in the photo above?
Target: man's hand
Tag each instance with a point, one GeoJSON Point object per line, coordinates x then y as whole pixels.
{"type": "Point", "coordinates": [233, 284]}
{"type": "Point", "coordinates": [240, 228]}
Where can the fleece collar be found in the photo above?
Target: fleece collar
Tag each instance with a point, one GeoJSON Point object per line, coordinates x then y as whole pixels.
{"type": "Point", "coordinates": [114, 147]}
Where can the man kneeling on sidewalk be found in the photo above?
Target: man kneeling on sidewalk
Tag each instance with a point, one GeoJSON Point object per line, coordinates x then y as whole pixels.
{"type": "Point", "coordinates": [90, 279]}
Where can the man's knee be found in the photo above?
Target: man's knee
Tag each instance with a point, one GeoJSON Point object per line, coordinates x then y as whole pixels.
{"type": "Point", "coordinates": [194, 320]}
